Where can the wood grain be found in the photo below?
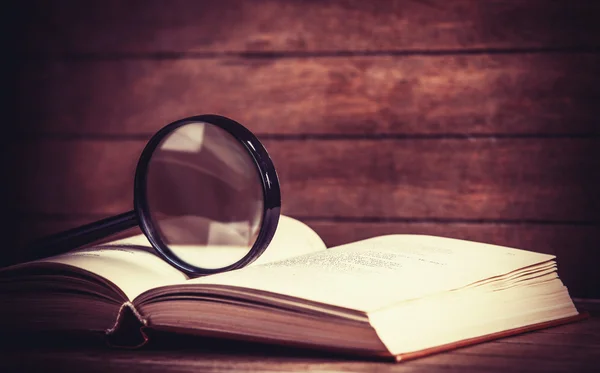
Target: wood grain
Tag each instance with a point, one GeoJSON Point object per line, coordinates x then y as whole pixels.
{"type": "Point", "coordinates": [377, 96]}
{"type": "Point", "coordinates": [185, 26]}
{"type": "Point", "coordinates": [550, 352]}
{"type": "Point", "coordinates": [221, 356]}
{"type": "Point", "coordinates": [468, 119]}
{"type": "Point", "coordinates": [575, 340]}
{"type": "Point", "coordinates": [505, 179]}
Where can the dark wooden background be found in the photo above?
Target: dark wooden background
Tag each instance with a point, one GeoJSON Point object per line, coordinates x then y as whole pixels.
{"type": "Point", "coordinates": [469, 119]}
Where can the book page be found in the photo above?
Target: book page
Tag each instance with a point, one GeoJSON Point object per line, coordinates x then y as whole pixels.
{"type": "Point", "coordinates": [381, 271]}
{"type": "Point", "coordinates": [292, 238]}
{"type": "Point", "coordinates": [133, 266]}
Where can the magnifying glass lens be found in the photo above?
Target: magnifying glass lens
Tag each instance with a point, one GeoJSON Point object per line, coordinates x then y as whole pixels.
{"type": "Point", "coordinates": [204, 195]}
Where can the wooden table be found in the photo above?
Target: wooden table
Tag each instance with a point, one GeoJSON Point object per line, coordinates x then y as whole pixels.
{"type": "Point", "coordinates": [568, 348]}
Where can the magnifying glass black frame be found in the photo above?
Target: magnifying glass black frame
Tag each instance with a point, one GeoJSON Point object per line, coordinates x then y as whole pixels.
{"type": "Point", "coordinates": [140, 215]}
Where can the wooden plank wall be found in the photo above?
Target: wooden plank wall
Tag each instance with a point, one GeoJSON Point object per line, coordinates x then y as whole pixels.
{"type": "Point", "coordinates": [470, 119]}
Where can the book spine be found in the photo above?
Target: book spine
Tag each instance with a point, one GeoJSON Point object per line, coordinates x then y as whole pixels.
{"type": "Point", "coordinates": [128, 330]}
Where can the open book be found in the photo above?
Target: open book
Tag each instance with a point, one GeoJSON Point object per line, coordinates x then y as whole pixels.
{"type": "Point", "coordinates": [399, 296]}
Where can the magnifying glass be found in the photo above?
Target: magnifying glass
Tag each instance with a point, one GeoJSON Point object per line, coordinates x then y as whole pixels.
{"type": "Point", "coordinates": [206, 196]}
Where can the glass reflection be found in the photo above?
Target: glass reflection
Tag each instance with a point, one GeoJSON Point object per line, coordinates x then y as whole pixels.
{"type": "Point", "coordinates": [205, 195]}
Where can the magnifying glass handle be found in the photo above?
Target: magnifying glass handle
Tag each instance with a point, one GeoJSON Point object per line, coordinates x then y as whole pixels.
{"type": "Point", "coordinates": [68, 240]}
